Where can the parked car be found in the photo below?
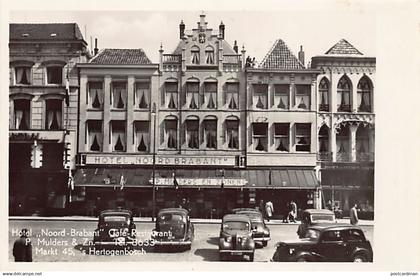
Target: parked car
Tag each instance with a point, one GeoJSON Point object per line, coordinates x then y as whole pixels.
{"type": "Point", "coordinates": [310, 217]}
{"type": "Point", "coordinates": [173, 228]}
{"type": "Point", "coordinates": [260, 231]}
{"type": "Point", "coordinates": [235, 237]}
{"type": "Point", "coordinates": [327, 243]}
{"type": "Point", "coordinates": [115, 228]}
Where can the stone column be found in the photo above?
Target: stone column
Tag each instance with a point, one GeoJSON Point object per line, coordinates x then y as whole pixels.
{"type": "Point", "coordinates": [130, 114]}
{"type": "Point", "coordinates": [333, 143]}
{"type": "Point", "coordinates": [333, 91]}
{"type": "Point", "coordinates": [107, 114]}
{"type": "Point", "coordinates": [353, 130]}
{"type": "Point", "coordinates": [313, 98]}
{"type": "Point", "coordinates": [354, 94]}
{"type": "Point", "coordinates": [371, 132]}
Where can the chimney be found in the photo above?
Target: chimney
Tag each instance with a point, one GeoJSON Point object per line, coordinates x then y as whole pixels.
{"type": "Point", "coordinates": [301, 55]}
{"type": "Point", "coordinates": [235, 47]}
{"type": "Point", "coordinates": [222, 30]}
{"type": "Point", "coordinates": [95, 51]}
{"type": "Point", "coordinates": [181, 29]}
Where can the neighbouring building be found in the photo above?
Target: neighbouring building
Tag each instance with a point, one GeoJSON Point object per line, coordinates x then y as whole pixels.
{"type": "Point", "coordinates": [346, 126]}
{"type": "Point", "coordinates": [43, 97]}
{"type": "Point", "coordinates": [281, 128]}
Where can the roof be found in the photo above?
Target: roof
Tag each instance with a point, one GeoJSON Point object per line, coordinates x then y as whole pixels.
{"type": "Point", "coordinates": [173, 210]}
{"type": "Point", "coordinates": [237, 210]}
{"type": "Point", "coordinates": [236, 217]}
{"type": "Point", "coordinates": [280, 57]}
{"type": "Point", "coordinates": [45, 31]}
{"type": "Point", "coordinates": [343, 47]}
{"type": "Point", "coordinates": [319, 211]}
{"type": "Point", "coordinates": [227, 49]}
{"type": "Point", "coordinates": [120, 56]}
{"type": "Point", "coordinates": [115, 211]}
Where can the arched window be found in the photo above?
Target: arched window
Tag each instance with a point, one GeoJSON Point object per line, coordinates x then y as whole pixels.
{"type": "Point", "coordinates": [191, 132]}
{"type": "Point", "coordinates": [209, 55]}
{"type": "Point", "coordinates": [210, 132]}
{"type": "Point", "coordinates": [232, 132]}
{"type": "Point", "coordinates": [364, 95]}
{"type": "Point", "coordinates": [343, 94]}
{"type": "Point", "coordinates": [323, 90]}
{"type": "Point", "coordinates": [324, 144]}
{"type": "Point", "coordinates": [195, 55]}
{"type": "Point", "coordinates": [170, 132]}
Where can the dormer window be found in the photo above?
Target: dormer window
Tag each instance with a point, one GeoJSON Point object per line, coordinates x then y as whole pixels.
{"type": "Point", "coordinates": [195, 55]}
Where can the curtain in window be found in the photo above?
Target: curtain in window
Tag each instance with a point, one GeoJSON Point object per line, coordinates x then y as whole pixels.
{"type": "Point", "coordinates": [171, 138]}
{"type": "Point", "coordinates": [118, 100]}
{"type": "Point", "coordinates": [363, 101]}
{"type": "Point", "coordinates": [54, 119]}
{"type": "Point", "coordinates": [282, 101]}
{"type": "Point", "coordinates": [171, 95]}
{"type": "Point", "coordinates": [282, 143]}
{"type": "Point", "coordinates": [96, 95]}
{"type": "Point", "coordinates": [18, 119]}
{"type": "Point", "coordinates": [210, 134]}
{"type": "Point", "coordinates": [192, 95]}
{"type": "Point", "coordinates": [22, 75]}
{"type": "Point", "coordinates": [232, 96]}
{"type": "Point", "coordinates": [192, 135]}
{"type": "Point", "coordinates": [118, 140]}
{"type": "Point", "coordinates": [195, 57]}
{"type": "Point", "coordinates": [142, 139]}
{"type": "Point", "coordinates": [142, 96]}
{"type": "Point", "coordinates": [232, 134]}
{"type": "Point", "coordinates": [209, 57]}
{"type": "Point", "coordinates": [260, 143]}
{"type": "Point", "coordinates": [95, 140]}
{"type": "Point", "coordinates": [210, 95]}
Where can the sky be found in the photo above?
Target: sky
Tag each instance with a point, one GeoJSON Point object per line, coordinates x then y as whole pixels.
{"type": "Point", "coordinates": [257, 31]}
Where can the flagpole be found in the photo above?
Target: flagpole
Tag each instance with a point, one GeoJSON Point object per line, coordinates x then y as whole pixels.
{"type": "Point", "coordinates": [153, 113]}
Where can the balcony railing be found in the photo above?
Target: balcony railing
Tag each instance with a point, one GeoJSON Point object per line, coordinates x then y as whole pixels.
{"type": "Point", "coordinates": [365, 156]}
{"type": "Point", "coordinates": [168, 58]}
{"type": "Point", "coordinates": [324, 156]}
{"type": "Point", "coordinates": [344, 108]}
{"type": "Point", "coordinates": [324, 107]}
{"type": "Point", "coordinates": [232, 59]}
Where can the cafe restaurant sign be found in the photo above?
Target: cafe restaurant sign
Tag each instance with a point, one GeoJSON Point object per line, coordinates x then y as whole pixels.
{"type": "Point", "coordinates": [96, 159]}
{"type": "Point", "coordinates": [217, 182]}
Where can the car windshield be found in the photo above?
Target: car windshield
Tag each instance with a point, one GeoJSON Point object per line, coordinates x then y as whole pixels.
{"type": "Point", "coordinates": [115, 219]}
{"type": "Point", "coordinates": [312, 234]}
{"type": "Point", "coordinates": [254, 217]}
{"type": "Point", "coordinates": [322, 217]}
{"type": "Point", "coordinates": [235, 225]}
{"type": "Point", "coordinates": [171, 218]}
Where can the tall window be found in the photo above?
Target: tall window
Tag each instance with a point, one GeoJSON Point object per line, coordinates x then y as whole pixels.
{"type": "Point", "coordinates": [364, 92]}
{"type": "Point", "coordinates": [323, 139]}
{"type": "Point", "coordinates": [53, 113]}
{"type": "Point", "coordinates": [232, 133]}
{"type": "Point", "coordinates": [303, 96]}
{"type": "Point", "coordinates": [210, 95]}
{"type": "Point", "coordinates": [142, 95]}
{"type": "Point", "coordinates": [141, 130]}
{"type": "Point", "coordinates": [210, 133]}
{"type": "Point", "coordinates": [281, 96]}
{"type": "Point", "coordinates": [281, 136]}
{"type": "Point", "coordinates": [343, 94]}
{"type": "Point", "coordinates": [193, 95]}
{"type": "Point", "coordinates": [94, 135]}
{"type": "Point", "coordinates": [119, 95]}
{"type": "Point", "coordinates": [96, 95]}
{"type": "Point", "coordinates": [209, 55]}
{"type": "Point", "coordinates": [191, 135]}
{"type": "Point", "coordinates": [118, 139]}
{"type": "Point", "coordinates": [22, 114]}
{"type": "Point", "coordinates": [232, 95]}
{"type": "Point", "coordinates": [195, 55]}
{"type": "Point", "coordinates": [343, 145]}
{"type": "Point", "coordinates": [54, 75]}
{"type": "Point", "coordinates": [323, 91]}
{"type": "Point", "coordinates": [303, 137]}
{"type": "Point", "coordinates": [260, 96]}
{"type": "Point", "coordinates": [170, 133]}
{"type": "Point", "coordinates": [171, 94]}
{"type": "Point", "coordinates": [23, 75]}
{"type": "Point", "coordinates": [259, 136]}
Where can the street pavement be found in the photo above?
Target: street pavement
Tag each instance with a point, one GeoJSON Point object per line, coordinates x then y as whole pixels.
{"type": "Point", "coordinates": [70, 241]}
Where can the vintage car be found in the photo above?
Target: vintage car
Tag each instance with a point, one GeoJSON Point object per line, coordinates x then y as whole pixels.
{"type": "Point", "coordinates": [260, 231]}
{"type": "Point", "coordinates": [115, 228]}
{"type": "Point", "coordinates": [173, 228]}
{"type": "Point", "coordinates": [235, 237]}
{"type": "Point", "coordinates": [326, 243]}
{"type": "Point", "coordinates": [310, 217]}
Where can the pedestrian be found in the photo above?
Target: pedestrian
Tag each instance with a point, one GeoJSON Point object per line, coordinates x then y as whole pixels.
{"type": "Point", "coordinates": [261, 206]}
{"type": "Point", "coordinates": [353, 215]}
{"type": "Point", "coordinates": [269, 210]}
{"type": "Point", "coordinates": [291, 217]}
{"type": "Point", "coordinates": [22, 248]}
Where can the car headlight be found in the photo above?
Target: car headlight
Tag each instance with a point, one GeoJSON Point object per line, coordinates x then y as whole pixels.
{"type": "Point", "coordinates": [266, 232]}
{"type": "Point", "coordinates": [228, 239]}
{"type": "Point", "coordinates": [291, 251]}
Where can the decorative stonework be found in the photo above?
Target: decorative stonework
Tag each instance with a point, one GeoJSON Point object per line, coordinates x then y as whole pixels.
{"type": "Point", "coordinates": [354, 119]}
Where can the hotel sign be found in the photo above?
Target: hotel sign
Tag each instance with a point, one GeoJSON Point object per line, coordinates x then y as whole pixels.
{"type": "Point", "coordinates": [217, 182]}
{"type": "Point", "coordinates": [96, 159]}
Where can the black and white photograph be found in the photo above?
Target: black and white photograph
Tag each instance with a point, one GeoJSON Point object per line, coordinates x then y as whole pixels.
{"type": "Point", "coordinates": [204, 136]}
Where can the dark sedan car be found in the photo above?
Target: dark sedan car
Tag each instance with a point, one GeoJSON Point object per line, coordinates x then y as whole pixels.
{"type": "Point", "coordinates": [327, 243]}
{"type": "Point", "coordinates": [235, 237]}
{"type": "Point", "coordinates": [260, 231]}
{"type": "Point", "coordinates": [173, 228]}
{"type": "Point", "coordinates": [311, 217]}
{"type": "Point", "coordinates": [115, 228]}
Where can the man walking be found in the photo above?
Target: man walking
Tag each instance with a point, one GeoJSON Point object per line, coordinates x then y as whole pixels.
{"type": "Point", "coordinates": [269, 210]}
{"type": "Point", "coordinates": [354, 219]}
{"type": "Point", "coordinates": [22, 248]}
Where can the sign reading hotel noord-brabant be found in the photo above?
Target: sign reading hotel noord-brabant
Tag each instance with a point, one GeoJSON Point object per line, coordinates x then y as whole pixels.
{"type": "Point", "coordinates": [201, 181]}
{"type": "Point", "coordinates": [96, 159]}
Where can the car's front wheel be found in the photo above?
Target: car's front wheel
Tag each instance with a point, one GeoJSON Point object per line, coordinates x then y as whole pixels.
{"type": "Point", "coordinates": [301, 259]}
{"type": "Point", "coordinates": [359, 258]}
